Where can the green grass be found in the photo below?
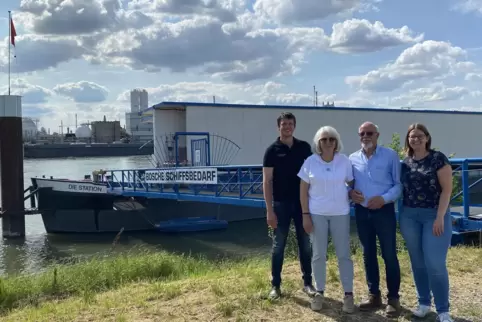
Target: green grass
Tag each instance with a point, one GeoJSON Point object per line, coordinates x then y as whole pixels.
{"type": "Point", "coordinates": [146, 286]}
{"type": "Point", "coordinates": [102, 274]}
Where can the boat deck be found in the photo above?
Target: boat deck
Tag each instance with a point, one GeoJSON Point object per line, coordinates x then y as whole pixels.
{"type": "Point", "coordinates": [474, 211]}
{"type": "Point", "coordinates": [186, 191]}
{"type": "Point", "coordinates": [240, 198]}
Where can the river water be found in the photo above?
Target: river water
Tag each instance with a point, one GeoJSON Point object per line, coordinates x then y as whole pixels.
{"type": "Point", "coordinates": [39, 249]}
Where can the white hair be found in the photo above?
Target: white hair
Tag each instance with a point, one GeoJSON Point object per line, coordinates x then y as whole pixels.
{"type": "Point", "coordinates": [333, 133]}
{"type": "Point", "coordinates": [373, 124]}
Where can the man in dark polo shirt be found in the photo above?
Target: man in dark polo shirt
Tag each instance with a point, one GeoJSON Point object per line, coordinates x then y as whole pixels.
{"type": "Point", "coordinates": [281, 186]}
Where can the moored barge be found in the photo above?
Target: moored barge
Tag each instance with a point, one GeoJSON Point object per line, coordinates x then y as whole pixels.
{"type": "Point", "coordinates": [132, 204]}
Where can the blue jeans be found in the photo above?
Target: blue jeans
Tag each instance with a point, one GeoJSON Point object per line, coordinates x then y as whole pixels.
{"type": "Point", "coordinates": [381, 223]}
{"type": "Point", "coordinates": [285, 212]}
{"type": "Point", "coordinates": [428, 254]}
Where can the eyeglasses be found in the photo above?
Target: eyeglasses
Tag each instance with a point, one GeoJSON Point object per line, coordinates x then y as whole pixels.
{"type": "Point", "coordinates": [362, 134]}
{"type": "Point", "coordinates": [416, 137]}
{"type": "Point", "coordinates": [327, 139]}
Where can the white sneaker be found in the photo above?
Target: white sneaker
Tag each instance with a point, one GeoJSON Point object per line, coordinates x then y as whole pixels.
{"type": "Point", "coordinates": [317, 302]}
{"type": "Point", "coordinates": [348, 304]}
{"type": "Point", "coordinates": [444, 317]}
{"type": "Point", "coordinates": [421, 311]}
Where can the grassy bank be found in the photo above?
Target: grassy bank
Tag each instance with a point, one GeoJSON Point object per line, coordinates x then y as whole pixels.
{"type": "Point", "coordinates": [163, 287]}
{"type": "Point", "coordinates": [98, 275]}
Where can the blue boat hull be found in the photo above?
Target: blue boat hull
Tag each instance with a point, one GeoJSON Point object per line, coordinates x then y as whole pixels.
{"type": "Point", "coordinates": [192, 224]}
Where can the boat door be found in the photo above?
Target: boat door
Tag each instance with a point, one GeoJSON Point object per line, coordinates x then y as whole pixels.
{"type": "Point", "coordinates": [199, 152]}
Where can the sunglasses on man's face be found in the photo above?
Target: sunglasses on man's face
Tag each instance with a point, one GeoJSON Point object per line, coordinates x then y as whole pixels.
{"type": "Point", "coordinates": [324, 140]}
{"type": "Point", "coordinates": [362, 134]}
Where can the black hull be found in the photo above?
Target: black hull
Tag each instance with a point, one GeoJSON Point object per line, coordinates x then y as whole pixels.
{"type": "Point", "coordinates": [70, 212]}
{"type": "Point", "coordinates": [103, 150]}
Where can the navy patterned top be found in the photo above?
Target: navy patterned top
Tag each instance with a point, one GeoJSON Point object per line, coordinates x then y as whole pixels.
{"type": "Point", "coordinates": [421, 187]}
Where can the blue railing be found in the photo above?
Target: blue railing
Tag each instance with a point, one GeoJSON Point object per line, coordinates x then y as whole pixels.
{"type": "Point", "coordinates": [242, 185]}
{"type": "Point", "coordinates": [463, 166]}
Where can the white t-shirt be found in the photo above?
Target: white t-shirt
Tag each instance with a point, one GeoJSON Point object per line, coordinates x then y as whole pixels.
{"type": "Point", "coordinates": [328, 193]}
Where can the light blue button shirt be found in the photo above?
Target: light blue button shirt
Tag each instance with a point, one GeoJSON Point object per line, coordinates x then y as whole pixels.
{"type": "Point", "coordinates": [378, 175]}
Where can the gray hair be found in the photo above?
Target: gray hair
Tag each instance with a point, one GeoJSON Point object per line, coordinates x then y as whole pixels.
{"type": "Point", "coordinates": [332, 132]}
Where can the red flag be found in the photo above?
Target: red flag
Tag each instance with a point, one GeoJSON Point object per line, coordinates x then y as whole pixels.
{"type": "Point", "coordinates": [13, 32]}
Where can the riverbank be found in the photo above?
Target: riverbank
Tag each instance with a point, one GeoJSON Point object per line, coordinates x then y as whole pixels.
{"type": "Point", "coordinates": [165, 287]}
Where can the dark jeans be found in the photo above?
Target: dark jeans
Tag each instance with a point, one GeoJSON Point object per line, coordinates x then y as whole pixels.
{"type": "Point", "coordinates": [381, 223]}
{"type": "Point", "coordinates": [285, 212]}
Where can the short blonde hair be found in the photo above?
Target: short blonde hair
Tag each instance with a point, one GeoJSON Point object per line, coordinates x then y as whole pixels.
{"type": "Point", "coordinates": [333, 133]}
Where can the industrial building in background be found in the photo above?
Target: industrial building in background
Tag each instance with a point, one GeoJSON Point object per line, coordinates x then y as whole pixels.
{"type": "Point", "coordinates": [29, 128]}
{"type": "Point", "coordinates": [96, 138]}
{"type": "Point", "coordinates": [106, 131]}
{"type": "Point", "coordinates": [136, 129]}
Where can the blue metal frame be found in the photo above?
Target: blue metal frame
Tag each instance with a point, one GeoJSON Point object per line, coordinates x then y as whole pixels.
{"type": "Point", "coordinates": [176, 144]}
{"type": "Point", "coordinates": [242, 185]}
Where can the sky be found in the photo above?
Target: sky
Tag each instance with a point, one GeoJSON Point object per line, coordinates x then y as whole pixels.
{"type": "Point", "coordinates": [84, 56]}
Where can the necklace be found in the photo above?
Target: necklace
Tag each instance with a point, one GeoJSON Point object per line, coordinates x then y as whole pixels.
{"type": "Point", "coordinates": [327, 164]}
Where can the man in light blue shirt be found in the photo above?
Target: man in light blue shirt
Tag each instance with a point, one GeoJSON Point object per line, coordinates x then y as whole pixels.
{"type": "Point", "coordinates": [377, 186]}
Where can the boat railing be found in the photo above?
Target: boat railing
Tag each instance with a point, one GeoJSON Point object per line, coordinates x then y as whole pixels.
{"type": "Point", "coordinates": [233, 181]}
{"type": "Point", "coordinates": [467, 190]}
{"type": "Point", "coordinates": [245, 182]}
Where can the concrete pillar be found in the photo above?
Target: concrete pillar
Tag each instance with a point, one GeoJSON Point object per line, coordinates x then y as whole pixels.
{"type": "Point", "coordinates": [11, 166]}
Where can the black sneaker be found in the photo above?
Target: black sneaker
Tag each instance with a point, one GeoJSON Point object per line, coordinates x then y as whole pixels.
{"type": "Point", "coordinates": [274, 293]}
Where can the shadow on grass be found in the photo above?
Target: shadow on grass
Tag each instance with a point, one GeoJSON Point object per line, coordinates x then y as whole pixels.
{"type": "Point", "coordinates": [432, 317]}
{"type": "Point", "coordinates": [334, 311]}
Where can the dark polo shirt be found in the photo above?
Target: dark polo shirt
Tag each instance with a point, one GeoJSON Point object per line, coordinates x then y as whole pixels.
{"type": "Point", "coordinates": [286, 163]}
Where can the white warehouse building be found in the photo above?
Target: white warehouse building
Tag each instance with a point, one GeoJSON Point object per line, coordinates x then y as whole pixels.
{"type": "Point", "coordinates": [244, 131]}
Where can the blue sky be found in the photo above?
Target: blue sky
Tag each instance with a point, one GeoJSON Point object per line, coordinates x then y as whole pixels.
{"type": "Point", "coordinates": [84, 56]}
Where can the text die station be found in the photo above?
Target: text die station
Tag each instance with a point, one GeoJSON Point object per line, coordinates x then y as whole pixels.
{"type": "Point", "coordinates": [85, 188]}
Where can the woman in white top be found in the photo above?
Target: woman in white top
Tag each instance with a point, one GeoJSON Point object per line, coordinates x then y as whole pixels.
{"type": "Point", "coordinates": [326, 208]}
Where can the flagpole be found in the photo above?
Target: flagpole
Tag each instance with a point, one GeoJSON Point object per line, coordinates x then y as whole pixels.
{"type": "Point", "coordinates": [9, 44]}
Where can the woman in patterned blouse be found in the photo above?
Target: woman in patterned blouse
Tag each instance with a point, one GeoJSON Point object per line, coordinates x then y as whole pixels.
{"type": "Point", "coordinates": [425, 221]}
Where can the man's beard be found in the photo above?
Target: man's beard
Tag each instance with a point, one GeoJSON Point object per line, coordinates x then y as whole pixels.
{"type": "Point", "coordinates": [368, 145]}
